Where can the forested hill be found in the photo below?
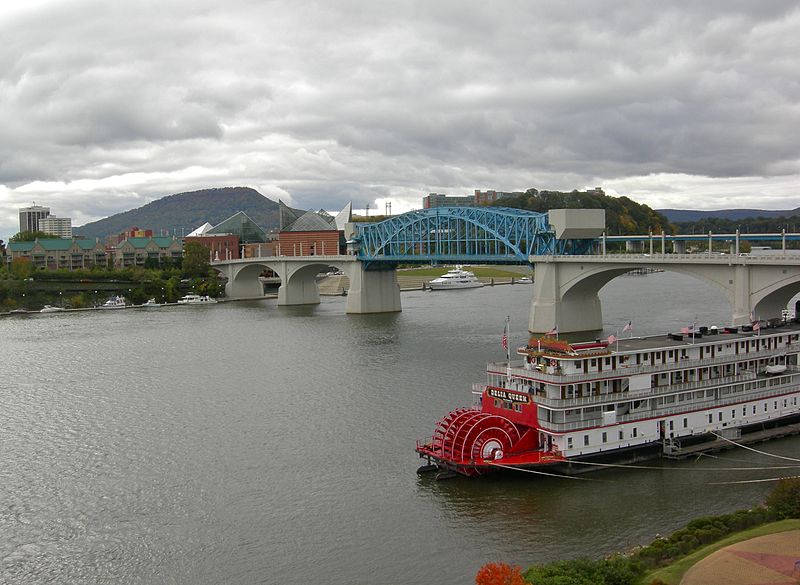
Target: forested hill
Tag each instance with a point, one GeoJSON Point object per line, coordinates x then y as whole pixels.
{"type": "Point", "coordinates": [186, 211]}
{"type": "Point", "coordinates": [752, 225]}
{"type": "Point", "coordinates": [693, 215]}
{"type": "Point", "coordinates": [623, 215]}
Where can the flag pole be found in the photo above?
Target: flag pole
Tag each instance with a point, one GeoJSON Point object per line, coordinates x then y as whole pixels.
{"type": "Point", "coordinates": [617, 339]}
{"type": "Point", "coordinates": [508, 336]}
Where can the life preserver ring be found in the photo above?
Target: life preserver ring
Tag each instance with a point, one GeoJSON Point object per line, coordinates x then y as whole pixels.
{"type": "Point", "coordinates": [553, 363]}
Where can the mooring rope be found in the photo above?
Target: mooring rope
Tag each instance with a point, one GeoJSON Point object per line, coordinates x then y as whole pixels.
{"type": "Point", "coordinates": [754, 480]}
{"type": "Point", "coordinates": [755, 450]}
{"type": "Point", "coordinates": [623, 465]}
{"type": "Point", "coordinates": [544, 472]}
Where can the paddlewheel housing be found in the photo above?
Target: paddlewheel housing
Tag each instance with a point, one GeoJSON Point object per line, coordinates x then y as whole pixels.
{"type": "Point", "coordinates": [467, 437]}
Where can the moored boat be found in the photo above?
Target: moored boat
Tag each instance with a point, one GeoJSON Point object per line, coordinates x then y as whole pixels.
{"type": "Point", "coordinates": [116, 302]}
{"type": "Point", "coordinates": [565, 407]}
{"type": "Point", "coordinates": [192, 299]}
{"type": "Point", "coordinates": [51, 309]}
{"type": "Point", "coordinates": [456, 278]}
{"type": "Point", "coordinates": [151, 304]}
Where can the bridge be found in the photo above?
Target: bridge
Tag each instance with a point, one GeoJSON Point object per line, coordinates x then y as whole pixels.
{"type": "Point", "coordinates": [566, 287]}
{"type": "Point", "coordinates": [567, 248]}
{"type": "Point", "coordinates": [488, 235]}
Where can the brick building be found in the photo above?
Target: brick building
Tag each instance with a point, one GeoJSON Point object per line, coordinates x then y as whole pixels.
{"type": "Point", "coordinates": [312, 233]}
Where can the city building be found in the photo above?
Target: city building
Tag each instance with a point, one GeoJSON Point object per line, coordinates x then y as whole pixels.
{"type": "Point", "coordinates": [132, 232]}
{"type": "Point", "coordinates": [486, 197]}
{"type": "Point", "coordinates": [136, 251]}
{"type": "Point", "coordinates": [441, 200]}
{"type": "Point", "coordinates": [312, 233]}
{"type": "Point", "coordinates": [29, 217]}
{"type": "Point", "coordinates": [59, 253]}
{"type": "Point", "coordinates": [56, 226]}
{"type": "Point", "coordinates": [479, 198]}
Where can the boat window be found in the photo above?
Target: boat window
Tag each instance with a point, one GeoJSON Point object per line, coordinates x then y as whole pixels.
{"type": "Point", "coordinates": [585, 440]}
{"type": "Point", "coordinates": [685, 423]}
{"type": "Point", "coordinates": [635, 431]}
{"type": "Point", "coordinates": [569, 442]}
{"type": "Point", "coordinates": [621, 435]}
{"type": "Point", "coordinates": [605, 436]}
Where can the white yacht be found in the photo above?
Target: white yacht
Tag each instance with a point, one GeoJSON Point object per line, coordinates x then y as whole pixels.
{"type": "Point", "coordinates": [51, 309]}
{"type": "Point", "coordinates": [193, 299]}
{"type": "Point", "coordinates": [114, 303]}
{"type": "Point", "coordinates": [151, 304]}
{"type": "Point", "coordinates": [455, 279]}
{"type": "Point", "coordinates": [524, 280]}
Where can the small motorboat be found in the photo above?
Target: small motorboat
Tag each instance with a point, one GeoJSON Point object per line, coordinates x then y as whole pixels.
{"type": "Point", "coordinates": [51, 309]}
{"type": "Point", "coordinates": [523, 280]}
{"type": "Point", "coordinates": [114, 303]}
{"type": "Point", "coordinates": [151, 304]}
{"type": "Point", "coordinates": [193, 299]}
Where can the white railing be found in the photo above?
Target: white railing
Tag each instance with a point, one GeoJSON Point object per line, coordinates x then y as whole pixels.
{"type": "Point", "coordinates": [632, 370]}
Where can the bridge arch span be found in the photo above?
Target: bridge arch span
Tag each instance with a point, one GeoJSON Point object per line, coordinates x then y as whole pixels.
{"type": "Point", "coordinates": [566, 288]}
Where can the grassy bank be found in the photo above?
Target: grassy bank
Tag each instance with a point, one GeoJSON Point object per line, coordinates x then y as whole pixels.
{"type": "Point", "coordinates": [672, 574]}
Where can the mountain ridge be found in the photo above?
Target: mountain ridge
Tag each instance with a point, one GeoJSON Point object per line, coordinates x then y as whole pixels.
{"type": "Point", "coordinates": [180, 213]}
{"type": "Point", "coordinates": [687, 215]}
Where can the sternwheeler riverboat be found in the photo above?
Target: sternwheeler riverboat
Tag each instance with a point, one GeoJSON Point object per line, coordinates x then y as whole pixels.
{"type": "Point", "coordinates": [566, 405]}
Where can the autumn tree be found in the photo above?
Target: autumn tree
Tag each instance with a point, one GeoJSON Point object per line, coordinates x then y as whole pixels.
{"type": "Point", "coordinates": [499, 574]}
{"type": "Point", "coordinates": [195, 260]}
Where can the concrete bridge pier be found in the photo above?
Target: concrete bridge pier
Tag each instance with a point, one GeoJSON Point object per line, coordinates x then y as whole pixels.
{"type": "Point", "coordinates": [577, 310]}
{"type": "Point", "coordinates": [372, 291]}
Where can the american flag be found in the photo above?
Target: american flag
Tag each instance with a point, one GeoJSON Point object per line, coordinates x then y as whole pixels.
{"type": "Point", "coordinates": [611, 339]}
{"type": "Point", "coordinates": [504, 341]}
{"type": "Point", "coordinates": [628, 326]}
{"type": "Point", "coordinates": [553, 331]}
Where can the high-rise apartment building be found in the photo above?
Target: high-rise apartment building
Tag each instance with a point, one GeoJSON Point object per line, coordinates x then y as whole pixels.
{"type": "Point", "coordinates": [57, 226]}
{"type": "Point", "coordinates": [29, 217]}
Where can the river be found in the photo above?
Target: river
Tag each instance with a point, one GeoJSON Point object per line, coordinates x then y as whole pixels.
{"type": "Point", "coordinates": [250, 443]}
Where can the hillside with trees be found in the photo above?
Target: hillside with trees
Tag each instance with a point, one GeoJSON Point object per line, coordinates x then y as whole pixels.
{"type": "Point", "coordinates": [752, 225]}
{"type": "Point", "coordinates": [183, 212]}
{"type": "Point", "coordinates": [623, 215]}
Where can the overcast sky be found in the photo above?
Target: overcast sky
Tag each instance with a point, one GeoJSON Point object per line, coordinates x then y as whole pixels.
{"type": "Point", "coordinates": [105, 106]}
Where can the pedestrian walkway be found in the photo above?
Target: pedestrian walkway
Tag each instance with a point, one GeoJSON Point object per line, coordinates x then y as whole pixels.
{"type": "Point", "coordinates": [773, 559]}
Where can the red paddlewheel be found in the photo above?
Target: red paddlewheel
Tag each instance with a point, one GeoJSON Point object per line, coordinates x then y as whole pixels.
{"type": "Point", "coordinates": [471, 435]}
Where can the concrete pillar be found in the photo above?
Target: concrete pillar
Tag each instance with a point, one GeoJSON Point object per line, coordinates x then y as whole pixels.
{"type": "Point", "coordinates": [579, 310]}
{"type": "Point", "coordinates": [741, 295]}
{"type": "Point", "coordinates": [372, 291]}
{"type": "Point", "coordinates": [299, 288]}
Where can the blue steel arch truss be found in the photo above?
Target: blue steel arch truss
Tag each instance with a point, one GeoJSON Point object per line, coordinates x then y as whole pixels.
{"type": "Point", "coordinates": [494, 235]}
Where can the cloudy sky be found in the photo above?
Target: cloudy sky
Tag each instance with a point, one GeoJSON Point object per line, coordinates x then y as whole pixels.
{"type": "Point", "coordinates": [107, 105]}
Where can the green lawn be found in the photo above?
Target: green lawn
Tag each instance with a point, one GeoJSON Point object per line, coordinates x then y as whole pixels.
{"type": "Point", "coordinates": [480, 271]}
{"type": "Point", "coordinates": [672, 574]}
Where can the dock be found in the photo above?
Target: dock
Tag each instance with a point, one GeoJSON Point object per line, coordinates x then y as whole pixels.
{"type": "Point", "coordinates": [712, 446]}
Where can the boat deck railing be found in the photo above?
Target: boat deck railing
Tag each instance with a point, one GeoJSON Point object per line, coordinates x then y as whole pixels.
{"type": "Point", "coordinates": [516, 367]}
{"type": "Point", "coordinates": [650, 412]}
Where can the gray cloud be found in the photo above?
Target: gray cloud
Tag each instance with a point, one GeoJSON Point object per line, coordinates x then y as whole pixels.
{"type": "Point", "coordinates": [105, 106]}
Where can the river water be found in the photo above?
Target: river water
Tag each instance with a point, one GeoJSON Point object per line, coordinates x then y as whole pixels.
{"type": "Point", "coordinates": [250, 443]}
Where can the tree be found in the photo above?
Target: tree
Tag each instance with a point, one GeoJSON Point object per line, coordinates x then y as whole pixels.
{"type": "Point", "coordinates": [195, 260]}
{"type": "Point", "coordinates": [499, 574]}
{"type": "Point", "coordinates": [31, 236]}
{"type": "Point", "coordinates": [785, 498]}
{"type": "Point", "coordinates": [21, 268]}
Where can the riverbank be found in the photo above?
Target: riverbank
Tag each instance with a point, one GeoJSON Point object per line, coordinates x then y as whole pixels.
{"type": "Point", "coordinates": [678, 559]}
{"type": "Point", "coordinates": [674, 574]}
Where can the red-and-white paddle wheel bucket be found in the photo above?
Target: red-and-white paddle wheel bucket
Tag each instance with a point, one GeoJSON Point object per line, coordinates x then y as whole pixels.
{"type": "Point", "coordinates": [468, 440]}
